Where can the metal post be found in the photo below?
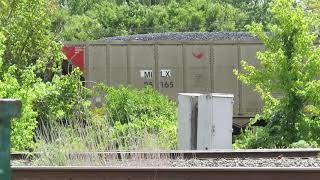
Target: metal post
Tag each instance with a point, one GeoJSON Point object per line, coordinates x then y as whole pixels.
{"type": "Point", "coordinates": [9, 108]}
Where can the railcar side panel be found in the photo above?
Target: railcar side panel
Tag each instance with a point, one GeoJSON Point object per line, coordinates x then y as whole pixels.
{"type": "Point", "coordinates": [250, 100]}
{"type": "Point", "coordinates": [170, 70]}
{"type": "Point", "coordinates": [142, 65]}
{"type": "Point", "coordinates": [225, 61]}
{"type": "Point", "coordinates": [118, 65]}
{"type": "Point", "coordinates": [197, 62]}
{"type": "Point", "coordinates": [97, 70]}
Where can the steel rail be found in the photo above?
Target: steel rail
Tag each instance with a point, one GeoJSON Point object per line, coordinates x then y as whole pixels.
{"type": "Point", "coordinates": [101, 173]}
{"type": "Point", "coordinates": [261, 153]}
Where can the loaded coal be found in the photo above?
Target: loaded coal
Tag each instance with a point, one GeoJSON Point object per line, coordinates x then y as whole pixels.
{"type": "Point", "coordinates": [185, 36]}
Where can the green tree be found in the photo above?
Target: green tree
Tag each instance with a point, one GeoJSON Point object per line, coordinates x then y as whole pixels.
{"type": "Point", "coordinates": [312, 7]}
{"type": "Point", "coordinates": [77, 7]}
{"type": "Point", "coordinates": [70, 22]}
{"type": "Point", "coordinates": [29, 42]}
{"type": "Point", "coordinates": [81, 28]}
{"type": "Point", "coordinates": [289, 68]}
{"type": "Point", "coordinates": [158, 19]}
{"type": "Point", "coordinates": [94, 19]}
{"type": "Point", "coordinates": [223, 17]}
{"type": "Point", "coordinates": [256, 10]}
{"type": "Point", "coordinates": [2, 47]}
{"type": "Point", "coordinates": [193, 15]}
{"type": "Point", "coordinates": [30, 60]}
{"type": "Point", "coordinates": [29, 57]}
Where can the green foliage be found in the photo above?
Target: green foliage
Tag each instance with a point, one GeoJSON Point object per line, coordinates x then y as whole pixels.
{"type": "Point", "coordinates": [109, 18]}
{"type": "Point", "coordinates": [94, 19]}
{"type": "Point", "coordinates": [22, 128]}
{"type": "Point", "coordinates": [286, 80]}
{"type": "Point", "coordinates": [77, 7]}
{"type": "Point", "coordinates": [312, 5]}
{"type": "Point", "coordinates": [2, 47]}
{"type": "Point", "coordinates": [128, 119]}
{"type": "Point", "coordinates": [30, 57]}
{"type": "Point", "coordinates": [55, 140]}
{"type": "Point", "coordinates": [29, 42]}
{"type": "Point", "coordinates": [312, 8]}
{"type": "Point", "coordinates": [144, 133]}
{"type": "Point", "coordinates": [126, 104]}
{"type": "Point", "coordinates": [81, 28]}
{"type": "Point", "coordinates": [64, 98]}
{"type": "Point", "coordinates": [303, 144]}
{"type": "Point", "coordinates": [16, 79]}
{"type": "Point", "coordinates": [256, 10]}
{"type": "Point", "coordinates": [140, 112]}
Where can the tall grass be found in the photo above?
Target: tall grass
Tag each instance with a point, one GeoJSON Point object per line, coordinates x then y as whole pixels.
{"type": "Point", "coordinates": [76, 143]}
{"type": "Point", "coordinates": [124, 119]}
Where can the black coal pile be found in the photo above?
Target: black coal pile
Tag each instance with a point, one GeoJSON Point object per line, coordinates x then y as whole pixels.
{"type": "Point", "coordinates": [184, 36]}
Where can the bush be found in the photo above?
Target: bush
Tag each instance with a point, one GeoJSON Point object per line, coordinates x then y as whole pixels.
{"type": "Point", "coordinates": [63, 99]}
{"type": "Point", "coordinates": [126, 104]}
{"type": "Point", "coordinates": [140, 112]}
{"type": "Point", "coordinates": [303, 144]}
{"type": "Point", "coordinates": [44, 102]}
{"type": "Point", "coordinates": [287, 80]}
{"type": "Point", "coordinates": [22, 128]}
{"type": "Point", "coordinates": [127, 119]}
{"type": "Point", "coordinates": [29, 57]}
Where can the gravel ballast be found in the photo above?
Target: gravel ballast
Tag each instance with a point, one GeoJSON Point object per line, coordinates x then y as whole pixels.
{"type": "Point", "coordinates": [257, 162]}
{"type": "Point", "coordinates": [182, 163]}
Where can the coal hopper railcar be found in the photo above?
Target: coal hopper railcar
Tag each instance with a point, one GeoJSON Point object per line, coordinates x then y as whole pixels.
{"type": "Point", "coordinates": [173, 63]}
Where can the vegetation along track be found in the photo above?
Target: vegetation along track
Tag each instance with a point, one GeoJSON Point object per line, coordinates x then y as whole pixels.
{"type": "Point", "coordinates": [262, 153]}
{"type": "Point", "coordinates": [98, 173]}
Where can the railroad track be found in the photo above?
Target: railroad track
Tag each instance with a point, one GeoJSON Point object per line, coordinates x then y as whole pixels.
{"type": "Point", "coordinates": [260, 153]}
{"type": "Point", "coordinates": [182, 165]}
{"type": "Point", "coordinates": [99, 173]}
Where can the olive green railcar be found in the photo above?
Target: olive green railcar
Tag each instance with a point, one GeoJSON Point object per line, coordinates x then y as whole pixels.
{"type": "Point", "coordinates": [174, 67]}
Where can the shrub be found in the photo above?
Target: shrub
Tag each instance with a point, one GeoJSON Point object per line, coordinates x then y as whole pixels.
{"type": "Point", "coordinates": [29, 57]}
{"type": "Point", "coordinates": [133, 111]}
{"type": "Point", "coordinates": [126, 104]}
{"type": "Point", "coordinates": [63, 99]}
{"type": "Point", "coordinates": [127, 119]}
{"type": "Point", "coordinates": [289, 68]}
{"type": "Point", "coordinates": [303, 144]}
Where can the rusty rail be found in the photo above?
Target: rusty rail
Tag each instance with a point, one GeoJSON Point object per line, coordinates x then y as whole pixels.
{"type": "Point", "coordinates": [100, 173]}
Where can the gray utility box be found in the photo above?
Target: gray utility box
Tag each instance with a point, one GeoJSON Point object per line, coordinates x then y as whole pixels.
{"type": "Point", "coordinates": [215, 121]}
{"type": "Point", "coordinates": [187, 121]}
{"type": "Point", "coordinates": [205, 121]}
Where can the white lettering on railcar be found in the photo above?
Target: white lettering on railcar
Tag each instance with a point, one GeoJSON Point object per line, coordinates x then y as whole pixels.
{"type": "Point", "coordinates": [165, 73]}
{"type": "Point", "coordinates": [146, 74]}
